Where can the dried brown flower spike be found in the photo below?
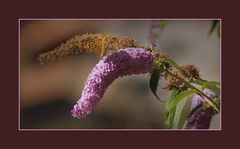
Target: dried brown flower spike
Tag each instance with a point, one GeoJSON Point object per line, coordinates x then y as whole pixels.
{"type": "Point", "coordinates": [173, 81]}
{"type": "Point", "coordinates": [98, 43]}
{"type": "Point", "coordinates": [190, 71]}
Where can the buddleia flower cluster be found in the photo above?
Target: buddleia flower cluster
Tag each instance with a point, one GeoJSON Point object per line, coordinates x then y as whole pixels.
{"type": "Point", "coordinates": [123, 56]}
{"type": "Point", "coordinates": [118, 64]}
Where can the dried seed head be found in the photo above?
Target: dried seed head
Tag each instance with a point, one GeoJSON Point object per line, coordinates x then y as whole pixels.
{"type": "Point", "coordinates": [190, 71]}
{"type": "Point", "coordinates": [98, 43]}
{"type": "Point", "coordinates": [173, 82]}
{"type": "Point", "coordinates": [123, 42]}
{"type": "Point", "coordinates": [161, 55]}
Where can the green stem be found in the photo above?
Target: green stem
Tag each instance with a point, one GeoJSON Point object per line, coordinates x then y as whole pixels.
{"type": "Point", "coordinates": [207, 99]}
{"type": "Point", "coordinates": [176, 66]}
{"type": "Point", "coordinates": [197, 81]}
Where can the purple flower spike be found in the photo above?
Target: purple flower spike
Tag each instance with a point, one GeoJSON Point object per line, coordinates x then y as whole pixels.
{"type": "Point", "coordinates": [122, 63]}
{"type": "Point", "coordinates": [197, 100]}
{"type": "Point", "coordinates": [201, 119]}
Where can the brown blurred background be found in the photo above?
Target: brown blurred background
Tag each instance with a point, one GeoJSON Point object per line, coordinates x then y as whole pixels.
{"type": "Point", "coordinates": [48, 93]}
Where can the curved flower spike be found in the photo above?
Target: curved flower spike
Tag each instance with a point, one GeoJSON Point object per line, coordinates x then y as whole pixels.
{"type": "Point", "coordinates": [124, 62]}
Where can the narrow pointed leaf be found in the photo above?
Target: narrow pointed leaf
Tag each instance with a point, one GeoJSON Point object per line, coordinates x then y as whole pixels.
{"type": "Point", "coordinates": [168, 115]}
{"type": "Point", "coordinates": [212, 85]}
{"type": "Point", "coordinates": [219, 30]}
{"type": "Point", "coordinates": [154, 80]}
{"type": "Point", "coordinates": [181, 113]}
{"type": "Point", "coordinates": [213, 26]}
{"type": "Point", "coordinates": [171, 108]}
{"type": "Point", "coordinates": [181, 96]}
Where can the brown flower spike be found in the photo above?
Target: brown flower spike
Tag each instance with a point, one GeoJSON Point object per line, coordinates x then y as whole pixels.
{"type": "Point", "coordinates": [189, 71]}
{"type": "Point", "coordinates": [98, 43]}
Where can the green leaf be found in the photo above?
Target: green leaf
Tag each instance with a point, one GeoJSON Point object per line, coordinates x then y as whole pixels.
{"type": "Point", "coordinates": [199, 81]}
{"type": "Point", "coordinates": [215, 87]}
{"type": "Point", "coordinates": [168, 115]}
{"type": "Point", "coordinates": [213, 26]}
{"type": "Point", "coordinates": [174, 64]}
{"type": "Point", "coordinates": [212, 85]}
{"type": "Point", "coordinates": [219, 30]}
{"type": "Point", "coordinates": [173, 94]}
{"type": "Point", "coordinates": [181, 96]}
{"type": "Point", "coordinates": [181, 113]}
{"type": "Point", "coordinates": [154, 82]}
{"type": "Point", "coordinates": [172, 105]}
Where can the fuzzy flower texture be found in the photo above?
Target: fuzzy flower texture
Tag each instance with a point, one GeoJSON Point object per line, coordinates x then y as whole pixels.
{"type": "Point", "coordinates": [201, 119]}
{"type": "Point", "coordinates": [118, 64]}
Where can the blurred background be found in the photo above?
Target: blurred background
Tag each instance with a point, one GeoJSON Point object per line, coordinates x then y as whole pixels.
{"type": "Point", "coordinates": [48, 92]}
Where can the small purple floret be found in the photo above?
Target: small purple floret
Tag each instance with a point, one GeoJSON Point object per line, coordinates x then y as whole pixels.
{"type": "Point", "coordinates": [121, 63]}
{"type": "Point", "coordinates": [197, 100]}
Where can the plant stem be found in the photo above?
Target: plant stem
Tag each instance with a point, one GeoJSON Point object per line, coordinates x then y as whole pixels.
{"type": "Point", "coordinates": [199, 82]}
{"type": "Point", "coordinates": [176, 66]}
{"type": "Point", "coordinates": [207, 99]}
